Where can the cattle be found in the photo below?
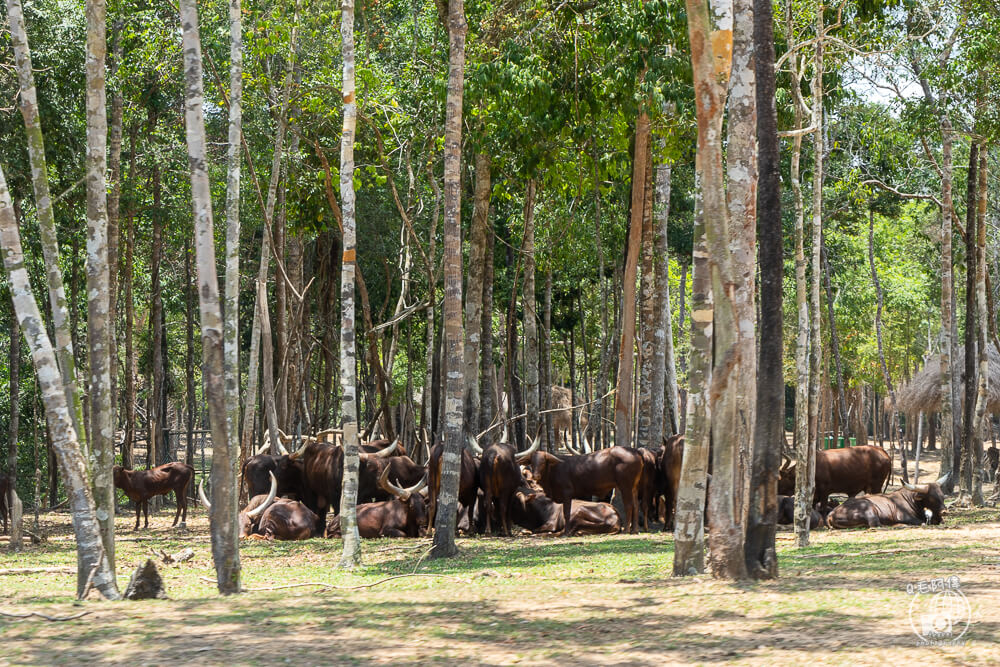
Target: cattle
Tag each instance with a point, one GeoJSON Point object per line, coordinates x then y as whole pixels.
{"type": "Point", "coordinates": [850, 471]}
{"type": "Point", "coordinates": [267, 517]}
{"type": "Point", "coordinates": [786, 513]}
{"type": "Point", "coordinates": [499, 477]}
{"type": "Point", "coordinates": [540, 514]}
{"type": "Point", "coordinates": [909, 505]}
{"type": "Point", "coordinates": [256, 471]}
{"type": "Point", "coordinates": [403, 516]}
{"type": "Point", "coordinates": [992, 462]}
{"type": "Point", "coordinates": [650, 487]}
{"type": "Point", "coordinates": [4, 493]}
{"type": "Point", "coordinates": [668, 465]}
{"type": "Point", "coordinates": [402, 468]}
{"type": "Point", "coordinates": [468, 484]}
{"type": "Point", "coordinates": [141, 485]}
{"type": "Point", "coordinates": [617, 468]}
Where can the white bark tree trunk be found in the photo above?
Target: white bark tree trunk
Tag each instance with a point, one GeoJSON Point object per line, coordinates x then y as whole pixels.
{"type": "Point", "coordinates": [532, 386]}
{"type": "Point", "coordinates": [474, 295]}
{"type": "Point", "coordinates": [91, 560]}
{"type": "Point", "coordinates": [225, 531]}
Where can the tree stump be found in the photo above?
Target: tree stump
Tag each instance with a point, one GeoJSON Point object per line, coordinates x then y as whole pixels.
{"type": "Point", "coordinates": [146, 584]}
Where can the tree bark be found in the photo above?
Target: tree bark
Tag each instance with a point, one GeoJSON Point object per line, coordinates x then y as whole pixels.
{"type": "Point", "coordinates": [189, 354]}
{"type": "Point", "coordinates": [971, 331]}
{"type": "Point", "coordinates": [474, 296]}
{"type": "Point", "coordinates": [98, 281]}
{"type": "Point", "coordinates": [664, 378]}
{"type": "Point", "coordinates": [128, 447]}
{"type": "Point", "coordinates": [626, 352]}
{"type": "Point", "coordinates": [947, 313]}
{"type": "Point", "coordinates": [973, 459]}
{"type": "Point", "coordinates": [532, 386]}
{"type": "Point", "coordinates": [114, 216]}
{"type": "Point", "coordinates": [158, 453]}
{"type": "Point", "coordinates": [878, 325]}
{"type": "Point", "coordinates": [46, 219]}
{"type": "Point", "coordinates": [769, 429]}
{"type": "Point", "coordinates": [447, 515]}
{"type": "Point", "coordinates": [489, 390]}
{"type": "Point", "coordinates": [649, 417]}
{"type": "Point", "coordinates": [224, 528]}
{"type": "Point", "coordinates": [91, 560]}
{"type": "Point", "coordinates": [834, 341]}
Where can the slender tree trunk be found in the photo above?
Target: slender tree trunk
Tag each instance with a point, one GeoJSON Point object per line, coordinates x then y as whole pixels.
{"type": "Point", "coordinates": [971, 331]}
{"type": "Point", "coordinates": [596, 420]}
{"type": "Point", "coordinates": [189, 298]}
{"type": "Point", "coordinates": [878, 324]}
{"type": "Point", "coordinates": [546, 361]}
{"type": "Point", "coordinates": [98, 281]}
{"type": "Point", "coordinates": [973, 459]}
{"type": "Point", "coordinates": [447, 515]}
{"type": "Point", "coordinates": [626, 352]}
{"type": "Point", "coordinates": [760, 550]}
{"type": "Point", "coordinates": [649, 418]}
{"type": "Point", "coordinates": [428, 404]}
{"type": "Point", "coordinates": [128, 446]}
{"type": "Point", "coordinates": [92, 562]}
{"type": "Point", "coordinates": [114, 217]}
{"type": "Point", "coordinates": [533, 389]}
{"type": "Point", "coordinates": [224, 528]}
{"type": "Point", "coordinates": [351, 556]}
{"type": "Point", "coordinates": [663, 382]}
{"type": "Point", "coordinates": [13, 502]}
{"type": "Point", "coordinates": [834, 341]}
{"type": "Point", "coordinates": [158, 415]}
{"type": "Point", "coordinates": [488, 378]}
{"type": "Point", "coordinates": [46, 219]}
{"type": "Point", "coordinates": [231, 304]}
{"type": "Point", "coordinates": [474, 295]}
{"type": "Point", "coordinates": [947, 313]}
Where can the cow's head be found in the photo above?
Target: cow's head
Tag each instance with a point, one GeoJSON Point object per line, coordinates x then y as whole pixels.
{"type": "Point", "coordinates": [249, 518]}
{"type": "Point", "coordinates": [786, 478]}
{"type": "Point", "coordinates": [416, 506]}
{"type": "Point", "coordinates": [118, 474]}
{"type": "Point", "coordinates": [929, 501]}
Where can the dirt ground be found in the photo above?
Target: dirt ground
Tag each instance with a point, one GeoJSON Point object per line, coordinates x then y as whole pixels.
{"type": "Point", "coordinates": [532, 600]}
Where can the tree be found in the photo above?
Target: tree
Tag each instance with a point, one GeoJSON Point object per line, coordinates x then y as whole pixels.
{"type": "Point", "coordinates": [92, 562]}
{"type": "Point", "coordinates": [447, 515]}
{"type": "Point", "coordinates": [225, 531]}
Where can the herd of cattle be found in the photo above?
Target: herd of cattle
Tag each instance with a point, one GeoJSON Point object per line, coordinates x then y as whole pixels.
{"type": "Point", "coordinates": [291, 495]}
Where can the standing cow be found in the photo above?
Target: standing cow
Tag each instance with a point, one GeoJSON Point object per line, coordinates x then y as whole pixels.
{"type": "Point", "coordinates": [499, 478]}
{"type": "Point", "coordinates": [850, 471]}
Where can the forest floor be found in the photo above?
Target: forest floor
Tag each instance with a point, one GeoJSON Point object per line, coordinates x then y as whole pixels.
{"type": "Point", "coordinates": [528, 600]}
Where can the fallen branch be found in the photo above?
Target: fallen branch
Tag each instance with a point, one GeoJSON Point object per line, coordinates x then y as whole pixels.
{"type": "Point", "coordinates": [43, 616]}
{"type": "Point", "coordinates": [331, 586]}
{"type": "Point", "coordinates": [863, 553]}
{"type": "Point", "coordinates": [38, 570]}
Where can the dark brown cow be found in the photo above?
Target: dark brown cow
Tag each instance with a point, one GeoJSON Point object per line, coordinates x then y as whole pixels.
{"type": "Point", "coordinates": [668, 464]}
{"type": "Point", "coordinates": [909, 505]}
{"type": "Point", "coordinates": [403, 516]}
{"type": "Point", "coordinates": [256, 472]}
{"type": "Point", "coordinates": [499, 478]}
{"type": "Point", "coordinates": [786, 513]}
{"type": "Point", "coordinates": [141, 485]}
{"type": "Point", "coordinates": [401, 468]}
{"type": "Point", "coordinates": [850, 471]}
{"type": "Point", "coordinates": [540, 514]}
{"type": "Point", "coordinates": [4, 492]}
{"type": "Point", "coordinates": [597, 474]}
{"type": "Point", "coordinates": [269, 518]}
{"type": "Point", "coordinates": [468, 485]}
{"type": "Point", "coordinates": [649, 487]}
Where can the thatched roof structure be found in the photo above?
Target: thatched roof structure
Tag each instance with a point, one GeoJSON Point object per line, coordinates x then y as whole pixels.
{"type": "Point", "coordinates": [923, 392]}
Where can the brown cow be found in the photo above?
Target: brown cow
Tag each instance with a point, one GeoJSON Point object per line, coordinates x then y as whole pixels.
{"type": "Point", "coordinates": [649, 486]}
{"type": "Point", "coordinates": [499, 478]}
{"type": "Point", "coordinates": [911, 505]}
{"type": "Point", "coordinates": [850, 471]}
{"type": "Point", "coordinates": [269, 518]}
{"type": "Point", "coordinates": [468, 484]}
{"type": "Point", "coordinates": [596, 474]}
{"type": "Point", "coordinates": [403, 516]}
{"type": "Point", "coordinates": [540, 514]}
{"type": "Point", "coordinates": [141, 485]}
{"type": "Point", "coordinates": [668, 464]}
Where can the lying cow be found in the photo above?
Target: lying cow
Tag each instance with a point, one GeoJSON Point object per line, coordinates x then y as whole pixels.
{"type": "Point", "coordinates": [141, 485]}
{"type": "Point", "coordinates": [849, 471]}
{"type": "Point", "coordinates": [403, 516]}
{"type": "Point", "coordinates": [540, 514]}
{"type": "Point", "coordinates": [786, 513]}
{"type": "Point", "coordinates": [597, 474]}
{"type": "Point", "coordinates": [271, 518]}
{"type": "Point", "coordinates": [911, 505]}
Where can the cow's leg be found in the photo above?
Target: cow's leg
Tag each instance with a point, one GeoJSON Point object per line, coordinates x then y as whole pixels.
{"type": "Point", "coordinates": [138, 513]}
{"type": "Point", "coordinates": [145, 512]}
{"type": "Point", "coordinates": [873, 520]}
{"type": "Point", "coordinates": [567, 512]}
{"type": "Point", "coordinates": [393, 532]}
{"type": "Point", "coordinates": [488, 506]}
{"type": "Point", "coordinates": [179, 496]}
{"type": "Point", "coordinates": [505, 515]}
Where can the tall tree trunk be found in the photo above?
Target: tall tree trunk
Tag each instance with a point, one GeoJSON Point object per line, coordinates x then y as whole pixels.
{"type": "Point", "coordinates": [681, 316]}
{"type": "Point", "coordinates": [225, 531]}
{"type": "Point", "coordinates": [445, 521]}
{"type": "Point", "coordinates": [98, 281]}
{"type": "Point", "coordinates": [626, 352]}
{"type": "Point", "coordinates": [890, 388]}
{"type": "Point", "coordinates": [488, 392]}
{"type": "Point", "coordinates": [834, 340]}
{"type": "Point", "coordinates": [973, 459]}
{"type": "Point", "coordinates": [159, 453]}
{"type": "Point", "coordinates": [596, 419]}
{"type": "Point", "coordinates": [46, 219]}
{"type": "Point", "coordinates": [947, 313]}
{"type": "Point", "coordinates": [533, 389]}
{"type": "Point", "coordinates": [128, 447]}
{"type": "Point", "coordinates": [91, 560]}
{"type": "Point", "coordinates": [546, 361]}
{"type": "Point", "coordinates": [428, 419]}
{"type": "Point", "coordinates": [769, 429]}
{"type": "Point", "coordinates": [114, 216]}
{"type": "Point", "coordinates": [649, 417]}
{"type": "Point", "coordinates": [13, 502]}
{"type": "Point", "coordinates": [474, 296]}
{"type": "Point", "coordinates": [971, 330]}
{"type": "Point", "coordinates": [189, 298]}
{"type": "Point", "coordinates": [689, 517]}
{"type": "Point", "coordinates": [802, 512]}
{"type": "Point", "coordinates": [351, 556]}
{"type": "Point", "coordinates": [663, 383]}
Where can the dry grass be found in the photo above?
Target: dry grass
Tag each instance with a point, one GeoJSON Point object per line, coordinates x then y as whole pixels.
{"type": "Point", "coordinates": [532, 600]}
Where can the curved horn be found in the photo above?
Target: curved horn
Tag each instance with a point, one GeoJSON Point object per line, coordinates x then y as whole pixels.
{"type": "Point", "coordinates": [530, 450]}
{"type": "Point", "coordinates": [387, 452]}
{"type": "Point", "coordinates": [256, 512]}
{"type": "Point", "coordinates": [919, 488]}
{"type": "Point", "coordinates": [202, 496]}
{"type": "Point", "coordinates": [389, 487]}
{"type": "Point", "coordinates": [281, 447]}
{"type": "Point", "coordinates": [473, 445]}
{"type": "Point", "coordinates": [943, 479]}
{"type": "Point", "coordinates": [587, 447]}
{"type": "Point", "coordinates": [505, 436]}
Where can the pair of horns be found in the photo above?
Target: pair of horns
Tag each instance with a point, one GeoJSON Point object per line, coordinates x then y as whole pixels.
{"type": "Point", "coordinates": [478, 451]}
{"type": "Point", "coordinates": [254, 513]}
{"type": "Point", "coordinates": [384, 453]}
{"type": "Point", "coordinates": [399, 492]}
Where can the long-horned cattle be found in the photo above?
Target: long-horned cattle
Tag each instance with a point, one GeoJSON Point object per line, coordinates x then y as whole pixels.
{"type": "Point", "coordinates": [403, 516]}
{"type": "Point", "coordinates": [499, 478]}
{"type": "Point", "coordinates": [597, 474]}
{"type": "Point", "coordinates": [849, 471]}
{"type": "Point", "coordinates": [267, 517]}
{"type": "Point", "coordinates": [468, 482]}
{"type": "Point", "coordinates": [912, 505]}
{"type": "Point", "coordinates": [141, 485]}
